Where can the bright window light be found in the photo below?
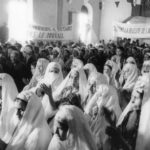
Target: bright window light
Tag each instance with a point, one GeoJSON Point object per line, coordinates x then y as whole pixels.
{"type": "Point", "coordinates": [83, 26]}
{"type": "Point", "coordinates": [17, 20]}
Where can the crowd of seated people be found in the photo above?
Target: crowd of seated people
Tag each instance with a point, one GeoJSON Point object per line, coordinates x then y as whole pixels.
{"type": "Point", "coordinates": [70, 96]}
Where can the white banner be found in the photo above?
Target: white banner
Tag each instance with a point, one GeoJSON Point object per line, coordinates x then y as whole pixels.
{"type": "Point", "coordinates": [131, 30]}
{"type": "Point", "coordinates": [36, 32]}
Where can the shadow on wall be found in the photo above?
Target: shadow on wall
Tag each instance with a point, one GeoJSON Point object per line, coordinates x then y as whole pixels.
{"type": "Point", "coordinates": [140, 10]}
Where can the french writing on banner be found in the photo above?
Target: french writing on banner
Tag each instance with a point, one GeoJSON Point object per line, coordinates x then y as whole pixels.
{"type": "Point", "coordinates": [131, 30]}
{"type": "Point", "coordinates": [36, 32]}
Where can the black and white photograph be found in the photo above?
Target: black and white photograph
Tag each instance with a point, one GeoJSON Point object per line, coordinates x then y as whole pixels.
{"type": "Point", "coordinates": [74, 74]}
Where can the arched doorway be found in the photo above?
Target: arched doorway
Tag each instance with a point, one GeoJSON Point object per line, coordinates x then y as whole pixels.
{"type": "Point", "coordinates": [85, 23]}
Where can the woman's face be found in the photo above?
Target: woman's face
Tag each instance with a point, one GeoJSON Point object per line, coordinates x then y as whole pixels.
{"type": "Point", "coordinates": [118, 52]}
{"type": "Point", "coordinates": [32, 69]}
{"type": "Point", "coordinates": [21, 107]}
{"type": "Point", "coordinates": [54, 70]}
{"type": "Point", "coordinates": [74, 79]}
{"type": "Point", "coordinates": [92, 86]}
{"type": "Point", "coordinates": [40, 67]}
{"type": "Point", "coordinates": [107, 70]}
{"type": "Point", "coordinates": [55, 54]}
{"type": "Point", "coordinates": [14, 57]}
{"type": "Point", "coordinates": [73, 65]}
{"type": "Point", "coordinates": [136, 100]}
{"type": "Point", "coordinates": [126, 73]}
{"type": "Point", "coordinates": [61, 131]}
{"type": "Point", "coordinates": [146, 68]}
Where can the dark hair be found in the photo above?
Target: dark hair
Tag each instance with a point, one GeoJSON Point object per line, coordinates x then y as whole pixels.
{"type": "Point", "coordinates": [72, 99]}
{"type": "Point", "coordinates": [30, 46]}
{"type": "Point", "coordinates": [12, 47]}
{"type": "Point", "coordinates": [34, 63]}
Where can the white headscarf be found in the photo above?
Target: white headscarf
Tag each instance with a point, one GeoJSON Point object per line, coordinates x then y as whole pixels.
{"type": "Point", "coordinates": [132, 76]}
{"type": "Point", "coordinates": [82, 85]}
{"type": "Point", "coordinates": [40, 69]}
{"type": "Point", "coordinates": [131, 60]}
{"type": "Point", "coordinates": [9, 93]}
{"type": "Point", "coordinates": [99, 79]}
{"type": "Point", "coordinates": [32, 133]}
{"type": "Point", "coordinates": [77, 63]}
{"type": "Point", "coordinates": [146, 67]}
{"type": "Point", "coordinates": [53, 79]}
{"type": "Point", "coordinates": [79, 136]}
{"type": "Point", "coordinates": [105, 96]}
{"type": "Point", "coordinates": [91, 69]}
{"type": "Point", "coordinates": [143, 83]}
{"type": "Point", "coordinates": [114, 66]}
{"type": "Point", "coordinates": [143, 137]}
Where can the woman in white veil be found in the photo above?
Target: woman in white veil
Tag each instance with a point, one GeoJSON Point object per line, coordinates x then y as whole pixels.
{"type": "Point", "coordinates": [90, 69]}
{"type": "Point", "coordinates": [32, 131]}
{"type": "Point", "coordinates": [106, 96]}
{"type": "Point", "coordinates": [143, 137]}
{"type": "Point", "coordinates": [38, 75]}
{"type": "Point", "coordinates": [143, 83]}
{"type": "Point", "coordinates": [71, 131]}
{"type": "Point", "coordinates": [77, 63]}
{"type": "Point", "coordinates": [93, 84]}
{"type": "Point", "coordinates": [128, 76]}
{"type": "Point", "coordinates": [74, 82]}
{"type": "Point", "coordinates": [8, 94]}
{"type": "Point", "coordinates": [53, 78]}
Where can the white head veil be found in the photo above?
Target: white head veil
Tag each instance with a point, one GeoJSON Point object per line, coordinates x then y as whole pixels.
{"type": "Point", "coordinates": [91, 69]}
{"type": "Point", "coordinates": [79, 136]}
{"type": "Point", "coordinates": [82, 85]}
{"type": "Point", "coordinates": [77, 63]}
{"type": "Point", "coordinates": [143, 137]}
{"type": "Point", "coordinates": [99, 79]}
{"type": "Point", "coordinates": [131, 60]}
{"type": "Point", "coordinates": [9, 93]}
{"type": "Point", "coordinates": [53, 79]}
{"type": "Point", "coordinates": [143, 83]}
{"type": "Point", "coordinates": [147, 65]}
{"type": "Point", "coordinates": [114, 66]}
{"type": "Point", "coordinates": [105, 96]}
{"type": "Point", "coordinates": [132, 76]}
{"type": "Point", "coordinates": [33, 131]}
{"type": "Point", "coordinates": [39, 73]}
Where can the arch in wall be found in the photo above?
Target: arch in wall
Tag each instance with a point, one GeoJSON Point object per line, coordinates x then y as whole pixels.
{"type": "Point", "coordinates": [87, 33]}
{"type": "Point", "coordinates": [89, 8]}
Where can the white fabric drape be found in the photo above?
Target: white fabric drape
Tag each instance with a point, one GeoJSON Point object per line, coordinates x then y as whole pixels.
{"type": "Point", "coordinates": [33, 132]}
{"type": "Point", "coordinates": [9, 93]}
{"type": "Point", "coordinates": [79, 136]}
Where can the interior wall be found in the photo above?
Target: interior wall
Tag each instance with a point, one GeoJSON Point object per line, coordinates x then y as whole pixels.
{"type": "Point", "coordinates": [96, 17]}
{"type": "Point", "coordinates": [3, 11]}
{"type": "Point", "coordinates": [111, 13]}
{"type": "Point", "coordinates": [45, 12]}
{"type": "Point", "coordinates": [75, 7]}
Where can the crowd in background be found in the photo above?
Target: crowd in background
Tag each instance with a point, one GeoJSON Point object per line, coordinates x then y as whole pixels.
{"type": "Point", "coordinates": [70, 96]}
